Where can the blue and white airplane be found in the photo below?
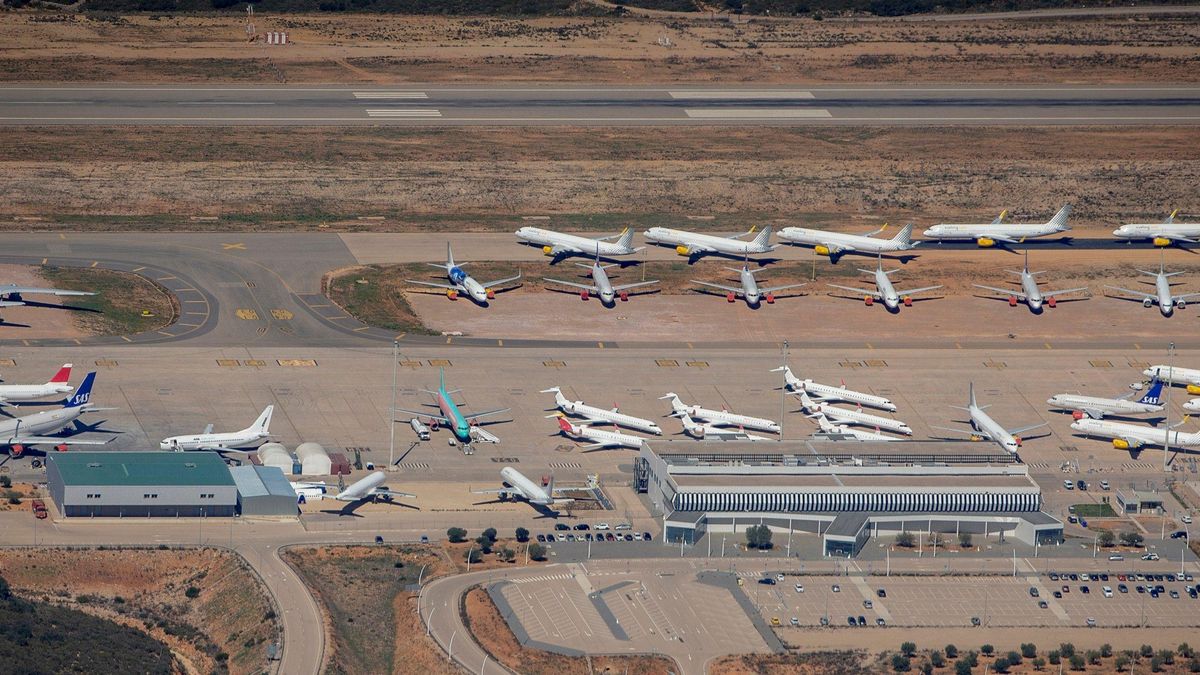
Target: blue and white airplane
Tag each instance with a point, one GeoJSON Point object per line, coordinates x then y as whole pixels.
{"type": "Point", "coordinates": [461, 282]}
{"type": "Point", "coordinates": [20, 432]}
{"type": "Point", "coordinates": [454, 418]}
{"type": "Point", "coordinates": [1096, 407]}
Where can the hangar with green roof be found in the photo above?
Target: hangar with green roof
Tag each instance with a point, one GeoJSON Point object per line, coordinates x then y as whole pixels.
{"type": "Point", "coordinates": [141, 484]}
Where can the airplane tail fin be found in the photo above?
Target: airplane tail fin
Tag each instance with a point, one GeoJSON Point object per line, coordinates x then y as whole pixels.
{"type": "Point", "coordinates": [764, 237]}
{"type": "Point", "coordinates": [676, 404]}
{"type": "Point", "coordinates": [1059, 221]}
{"type": "Point", "coordinates": [442, 379]}
{"type": "Point", "coordinates": [1153, 395]}
{"type": "Point", "coordinates": [904, 236]}
{"type": "Point", "coordinates": [263, 423]}
{"type": "Point", "coordinates": [1171, 218]}
{"type": "Point", "coordinates": [1000, 218]}
{"type": "Point", "coordinates": [449, 257]}
{"type": "Point", "coordinates": [564, 424]}
{"type": "Point", "coordinates": [62, 376]}
{"type": "Point", "coordinates": [83, 395]}
{"type": "Point", "coordinates": [625, 241]}
{"type": "Point", "coordinates": [971, 394]}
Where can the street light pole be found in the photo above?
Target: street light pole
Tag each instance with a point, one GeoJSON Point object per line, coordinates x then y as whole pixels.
{"type": "Point", "coordinates": [1167, 404]}
{"type": "Point", "coordinates": [783, 392]}
{"type": "Point", "coordinates": [392, 411]}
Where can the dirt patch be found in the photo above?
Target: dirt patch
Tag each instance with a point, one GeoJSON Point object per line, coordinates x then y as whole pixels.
{"type": "Point", "coordinates": [810, 663]}
{"type": "Point", "coordinates": [223, 625]}
{"type": "Point", "coordinates": [492, 633]}
{"type": "Point", "coordinates": [124, 303]}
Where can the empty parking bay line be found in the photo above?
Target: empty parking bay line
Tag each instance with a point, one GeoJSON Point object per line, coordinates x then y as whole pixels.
{"type": "Point", "coordinates": [756, 113]}
{"type": "Point", "coordinates": [390, 94]}
{"type": "Point", "coordinates": [735, 94]}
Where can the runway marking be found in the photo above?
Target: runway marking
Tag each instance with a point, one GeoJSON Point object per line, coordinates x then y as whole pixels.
{"type": "Point", "coordinates": [390, 94]}
{"type": "Point", "coordinates": [77, 341]}
{"type": "Point", "coordinates": [246, 314]}
{"type": "Point", "coordinates": [315, 306]}
{"type": "Point", "coordinates": [170, 335]}
{"type": "Point", "coordinates": [740, 94]}
{"type": "Point", "coordinates": [405, 112]}
{"type": "Point", "coordinates": [225, 103]}
{"type": "Point", "coordinates": [138, 269]}
{"type": "Point", "coordinates": [203, 302]}
{"type": "Point", "coordinates": [361, 328]}
{"type": "Point", "coordinates": [282, 314]}
{"type": "Point", "coordinates": [659, 120]}
{"type": "Point", "coordinates": [755, 113]}
{"type": "Point", "coordinates": [167, 278]}
{"type": "Point", "coordinates": [399, 337]}
{"type": "Point", "coordinates": [233, 247]}
{"type": "Point", "coordinates": [126, 339]}
{"type": "Point", "coordinates": [191, 325]}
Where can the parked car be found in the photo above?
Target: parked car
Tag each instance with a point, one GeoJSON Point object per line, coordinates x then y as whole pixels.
{"type": "Point", "coordinates": [795, 621]}
{"type": "Point", "coordinates": [582, 526]}
{"type": "Point", "coordinates": [862, 620]}
{"type": "Point", "coordinates": [1068, 485]}
{"type": "Point", "coordinates": [1085, 590]}
{"type": "Point", "coordinates": [541, 538]}
{"type": "Point", "coordinates": [1108, 592]}
{"type": "Point", "coordinates": [867, 604]}
{"type": "Point", "coordinates": [561, 527]}
{"type": "Point", "coordinates": [1150, 556]}
{"type": "Point", "coordinates": [1043, 604]}
{"type": "Point", "coordinates": [767, 581]}
{"type": "Point", "coordinates": [880, 622]}
{"type": "Point", "coordinates": [799, 588]}
{"type": "Point", "coordinates": [850, 621]}
{"type": "Point", "coordinates": [1116, 557]}
{"type": "Point", "coordinates": [975, 621]}
{"type": "Point", "coordinates": [1058, 594]}
{"type": "Point", "coordinates": [1179, 535]}
{"type": "Point", "coordinates": [1122, 588]}
{"type": "Point", "coordinates": [1033, 592]}
{"type": "Point", "coordinates": [1091, 622]}
{"type": "Point", "coordinates": [623, 526]}
{"type": "Point", "coordinates": [1103, 485]}
{"type": "Point", "coordinates": [647, 537]}
{"type": "Point", "coordinates": [881, 593]}
{"type": "Point", "coordinates": [602, 526]}
{"type": "Point", "coordinates": [836, 588]}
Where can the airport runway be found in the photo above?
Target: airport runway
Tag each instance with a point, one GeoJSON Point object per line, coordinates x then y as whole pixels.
{"type": "Point", "coordinates": [522, 105]}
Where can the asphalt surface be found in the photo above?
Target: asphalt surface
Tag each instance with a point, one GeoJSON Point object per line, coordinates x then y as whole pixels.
{"type": "Point", "coordinates": [523, 105]}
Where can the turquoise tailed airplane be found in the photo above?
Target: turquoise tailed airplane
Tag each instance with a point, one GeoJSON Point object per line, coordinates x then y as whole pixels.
{"type": "Point", "coordinates": [451, 416]}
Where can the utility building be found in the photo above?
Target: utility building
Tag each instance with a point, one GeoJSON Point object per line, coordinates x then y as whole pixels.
{"type": "Point", "coordinates": [263, 491]}
{"type": "Point", "coordinates": [141, 484]}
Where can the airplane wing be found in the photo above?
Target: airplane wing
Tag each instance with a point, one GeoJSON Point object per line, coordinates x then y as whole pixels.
{"type": "Point", "coordinates": [9, 303]}
{"type": "Point", "coordinates": [694, 248]}
{"type": "Point", "coordinates": [31, 290]}
{"type": "Point", "coordinates": [1185, 296]}
{"type": "Point", "coordinates": [393, 494]}
{"type": "Point", "coordinates": [599, 446]}
{"type": "Point", "coordinates": [425, 413]}
{"type": "Point", "coordinates": [860, 291]}
{"type": "Point", "coordinates": [965, 432]}
{"type": "Point", "coordinates": [1002, 291]}
{"type": "Point", "coordinates": [505, 492]}
{"type": "Point", "coordinates": [625, 287]}
{"type": "Point", "coordinates": [730, 289]}
{"type": "Point", "coordinates": [918, 290]}
{"type": "Point", "coordinates": [775, 289]}
{"type": "Point", "coordinates": [559, 249]}
{"type": "Point", "coordinates": [207, 430]}
{"type": "Point", "coordinates": [1064, 291]}
{"type": "Point", "coordinates": [500, 282]}
{"type": "Point", "coordinates": [434, 284]}
{"type": "Point", "coordinates": [1000, 238]}
{"type": "Point", "coordinates": [483, 413]}
{"type": "Point", "coordinates": [1177, 238]}
{"type": "Point", "coordinates": [34, 440]}
{"type": "Point", "coordinates": [1021, 430]}
{"type": "Point", "coordinates": [839, 248]}
{"type": "Point", "coordinates": [1137, 293]}
{"type": "Point", "coordinates": [572, 284]}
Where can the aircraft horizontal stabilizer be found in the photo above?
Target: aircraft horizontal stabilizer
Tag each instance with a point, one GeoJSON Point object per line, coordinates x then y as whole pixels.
{"type": "Point", "coordinates": [35, 440]}
{"type": "Point", "coordinates": [1002, 291]}
{"type": "Point", "coordinates": [859, 291]}
{"type": "Point", "coordinates": [1021, 430]}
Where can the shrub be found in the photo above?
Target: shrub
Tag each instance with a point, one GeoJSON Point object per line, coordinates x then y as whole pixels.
{"type": "Point", "coordinates": [1106, 650]}
{"type": "Point", "coordinates": [951, 652]}
{"type": "Point", "coordinates": [1093, 657]}
{"type": "Point", "coordinates": [490, 533]}
{"type": "Point", "coordinates": [1077, 662]}
{"type": "Point", "coordinates": [1121, 663]}
{"type": "Point", "coordinates": [1194, 665]}
{"type": "Point", "coordinates": [1167, 656]}
{"type": "Point", "coordinates": [1156, 665]}
{"type": "Point", "coordinates": [522, 535]}
{"type": "Point", "coordinates": [1028, 650]}
{"type": "Point", "coordinates": [964, 539]}
{"type": "Point", "coordinates": [473, 555]}
{"type": "Point", "coordinates": [5, 482]}
{"type": "Point", "coordinates": [972, 658]}
{"type": "Point", "coordinates": [900, 663]}
{"type": "Point", "coordinates": [484, 543]}
{"type": "Point", "coordinates": [1054, 657]}
{"type": "Point", "coordinates": [1013, 658]}
{"type": "Point", "coordinates": [1133, 539]}
{"type": "Point", "coordinates": [905, 540]}
{"type": "Point", "coordinates": [1000, 665]}
{"type": "Point", "coordinates": [758, 536]}
{"type": "Point", "coordinates": [1147, 651]}
{"type": "Point", "coordinates": [987, 650]}
{"type": "Point", "coordinates": [192, 592]}
{"type": "Point", "coordinates": [962, 667]}
{"type": "Point", "coordinates": [456, 535]}
{"type": "Point", "coordinates": [507, 554]}
{"type": "Point", "coordinates": [537, 551]}
{"type": "Point", "coordinates": [937, 659]}
{"type": "Point", "coordinates": [1106, 538]}
{"type": "Point", "coordinates": [1038, 663]}
{"type": "Point", "coordinates": [1066, 649]}
{"type": "Point", "coordinates": [1184, 649]}
{"type": "Point", "coordinates": [926, 668]}
{"type": "Point", "coordinates": [908, 648]}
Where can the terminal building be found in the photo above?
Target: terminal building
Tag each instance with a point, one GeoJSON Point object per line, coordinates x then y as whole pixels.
{"type": "Point", "coordinates": [141, 484]}
{"type": "Point", "coordinates": [844, 491]}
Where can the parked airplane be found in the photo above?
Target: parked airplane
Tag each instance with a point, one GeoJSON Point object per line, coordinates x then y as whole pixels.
{"type": "Point", "coordinates": [858, 417]}
{"type": "Point", "coordinates": [19, 432]}
{"type": "Point", "coordinates": [835, 244]}
{"type": "Point", "coordinates": [1163, 234]}
{"type": "Point", "coordinates": [999, 232]}
{"type": "Point", "coordinates": [825, 392]}
{"type": "Point", "coordinates": [519, 488]}
{"type": "Point", "coordinates": [12, 295]}
{"type": "Point", "coordinates": [368, 490]}
{"type": "Point", "coordinates": [841, 432]}
{"type": "Point", "coordinates": [595, 415]}
{"type": "Point", "coordinates": [712, 432]}
{"type": "Point", "coordinates": [694, 244]}
{"type": "Point", "coordinates": [749, 288]}
{"type": "Point", "coordinates": [1030, 294]}
{"type": "Point", "coordinates": [230, 440]}
{"type": "Point", "coordinates": [885, 291]}
{"type": "Point", "coordinates": [1192, 405]}
{"type": "Point", "coordinates": [559, 245]}
{"type": "Point", "coordinates": [1126, 436]}
{"type": "Point", "coordinates": [719, 417]}
{"type": "Point", "coordinates": [1161, 296]}
{"type": "Point", "coordinates": [601, 285]}
{"type": "Point", "coordinates": [1176, 375]}
{"type": "Point", "coordinates": [30, 392]}
{"type": "Point", "coordinates": [452, 417]}
{"type": "Point", "coordinates": [600, 439]}
{"type": "Point", "coordinates": [1097, 408]}
{"type": "Point", "coordinates": [984, 427]}
{"type": "Point", "coordinates": [461, 282]}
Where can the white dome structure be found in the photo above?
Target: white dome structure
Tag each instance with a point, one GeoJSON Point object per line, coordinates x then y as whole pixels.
{"type": "Point", "coordinates": [274, 454]}
{"type": "Point", "coordinates": [314, 461]}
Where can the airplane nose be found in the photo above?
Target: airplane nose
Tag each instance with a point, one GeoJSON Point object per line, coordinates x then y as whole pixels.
{"type": "Point", "coordinates": [930, 232]}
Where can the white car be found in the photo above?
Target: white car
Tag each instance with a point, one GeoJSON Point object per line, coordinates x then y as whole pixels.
{"type": "Point", "coordinates": [623, 526]}
{"type": "Point", "coordinates": [602, 526]}
{"type": "Point", "coordinates": [799, 588]}
{"type": "Point", "coordinates": [1070, 485]}
{"type": "Point", "coordinates": [1108, 592]}
{"type": "Point", "coordinates": [837, 588]}
{"type": "Point", "coordinates": [1150, 556]}
{"type": "Point", "coordinates": [1186, 519]}
{"type": "Point", "coordinates": [1084, 577]}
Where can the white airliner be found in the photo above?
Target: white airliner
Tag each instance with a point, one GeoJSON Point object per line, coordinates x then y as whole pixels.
{"type": "Point", "coordinates": [983, 426]}
{"type": "Point", "coordinates": [1192, 405]}
{"type": "Point", "coordinates": [885, 291]}
{"type": "Point", "coordinates": [748, 288]}
{"type": "Point", "coordinates": [461, 282]}
{"type": "Point", "coordinates": [31, 392]}
{"type": "Point", "coordinates": [858, 417]}
{"type": "Point", "coordinates": [1175, 375]}
{"type": "Point", "coordinates": [825, 392]}
{"type": "Point", "coordinates": [599, 438]}
{"type": "Point", "coordinates": [718, 417]}
{"type": "Point", "coordinates": [999, 232]}
{"type": "Point", "coordinates": [1126, 436]}
{"type": "Point", "coordinates": [230, 440]}
{"type": "Point", "coordinates": [712, 432]}
{"type": "Point", "coordinates": [12, 295]}
{"type": "Point", "coordinates": [842, 432]}
{"type": "Point", "coordinates": [17, 433]}
{"type": "Point", "coordinates": [521, 488]}
{"type": "Point", "coordinates": [694, 244]}
{"type": "Point", "coordinates": [1163, 234]}
{"type": "Point", "coordinates": [595, 415]}
{"type": "Point", "coordinates": [601, 285]}
{"type": "Point", "coordinates": [1030, 294]}
{"type": "Point", "coordinates": [1097, 408]}
{"type": "Point", "coordinates": [558, 244]}
{"type": "Point", "coordinates": [1161, 296]}
{"type": "Point", "coordinates": [369, 489]}
{"type": "Point", "coordinates": [834, 244]}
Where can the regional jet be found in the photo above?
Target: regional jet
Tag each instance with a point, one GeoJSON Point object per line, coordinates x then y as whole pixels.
{"type": "Point", "coordinates": [461, 282]}
{"type": "Point", "coordinates": [368, 490]}
{"type": "Point", "coordinates": [1161, 296]}
{"type": "Point", "coordinates": [12, 295]}
{"type": "Point", "coordinates": [835, 244]}
{"type": "Point", "coordinates": [454, 418]}
{"type": "Point", "coordinates": [841, 432]}
{"type": "Point", "coordinates": [1030, 294]}
{"type": "Point", "coordinates": [519, 488]}
{"type": "Point", "coordinates": [29, 392]}
{"type": "Point", "coordinates": [596, 415]}
{"type": "Point", "coordinates": [999, 232]}
{"type": "Point", "coordinates": [712, 432]}
{"type": "Point", "coordinates": [1162, 234]}
{"type": "Point", "coordinates": [748, 288]}
{"type": "Point", "coordinates": [694, 244]}
{"type": "Point", "coordinates": [984, 427]}
{"type": "Point", "coordinates": [1132, 437]}
{"type": "Point", "coordinates": [601, 285]}
{"type": "Point", "coordinates": [599, 439]}
{"type": "Point", "coordinates": [848, 416]}
{"type": "Point", "coordinates": [825, 392]}
{"type": "Point", "coordinates": [718, 417]}
{"type": "Point", "coordinates": [230, 440]}
{"type": "Point", "coordinates": [559, 245]}
{"type": "Point", "coordinates": [885, 291]}
{"type": "Point", "coordinates": [19, 432]}
{"type": "Point", "coordinates": [1096, 407]}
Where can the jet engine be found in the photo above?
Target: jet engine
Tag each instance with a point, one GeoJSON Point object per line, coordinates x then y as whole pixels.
{"type": "Point", "coordinates": [985, 242]}
{"type": "Point", "coordinates": [1122, 444]}
{"type": "Point", "coordinates": [1162, 241]}
{"type": "Point", "coordinates": [453, 295]}
{"type": "Point", "coordinates": [548, 250]}
{"type": "Point", "coordinates": [1052, 302]}
{"type": "Point", "coordinates": [1194, 390]}
{"type": "Point", "coordinates": [730, 297]}
{"type": "Point", "coordinates": [1180, 304]}
{"type": "Point", "coordinates": [822, 250]}
{"type": "Point", "coordinates": [624, 295]}
{"type": "Point", "coordinates": [868, 300]}
{"type": "Point", "coordinates": [682, 250]}
{"type": "Point", "coordinates": [491, 295]}
{"type": "Point", "coordinates": [17, 451]}
{"type": "Point", "coordinates": [907, 301]}
{"type": "Point", "coordinates": [1018, 440]}
{"type": "Point", "coordinates": [1012, 301]}
{"type": "Point", "coordinates": [1078, 415]}
{"type": "Point", "coordinates": [770, 298]}
{"type": "Point", "coordinates": [1147, 303]}
{"type": "Point", "coordinates": [583, 295]}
